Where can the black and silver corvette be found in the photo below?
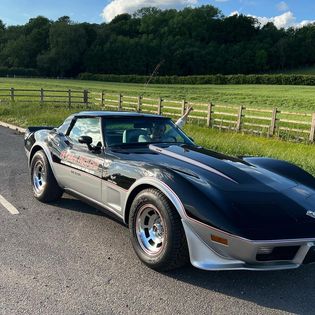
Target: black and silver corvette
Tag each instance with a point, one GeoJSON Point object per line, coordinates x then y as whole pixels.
{"type": "Point", "coordinates": [180, 201]}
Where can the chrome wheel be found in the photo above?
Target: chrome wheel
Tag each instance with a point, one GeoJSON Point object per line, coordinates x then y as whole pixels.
{"type": "Point", "coordinates": [39, 177]}
{"type": "Point", "coordinates": [150, 229]}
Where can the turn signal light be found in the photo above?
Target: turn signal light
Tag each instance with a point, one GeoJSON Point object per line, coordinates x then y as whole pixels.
{"type": "Point", "coordinates": [219, 240]}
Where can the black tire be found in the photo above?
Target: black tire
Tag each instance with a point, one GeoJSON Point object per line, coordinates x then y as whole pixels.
{"type": "Point", "coordinates": [173, 252]}
{"type": "Point", "coordinates": [45, 186]}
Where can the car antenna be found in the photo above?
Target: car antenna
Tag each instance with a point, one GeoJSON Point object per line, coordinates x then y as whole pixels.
{"type": "Point", "coordinates": [153, 74]}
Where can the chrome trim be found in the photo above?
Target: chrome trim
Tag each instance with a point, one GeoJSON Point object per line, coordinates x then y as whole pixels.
{"type": "Point", "coordinates": [191, 161]}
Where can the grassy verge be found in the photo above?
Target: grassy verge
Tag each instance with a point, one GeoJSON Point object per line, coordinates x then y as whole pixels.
{"type": "Point", "coordinates": [247, 145]}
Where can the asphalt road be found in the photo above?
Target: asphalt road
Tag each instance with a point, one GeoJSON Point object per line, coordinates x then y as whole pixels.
{"type": "Point", "coordinates": [68, 258]}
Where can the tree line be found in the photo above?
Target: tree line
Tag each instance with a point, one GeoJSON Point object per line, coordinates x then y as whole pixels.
{"type": "Point", "coordinates": [192, 41]}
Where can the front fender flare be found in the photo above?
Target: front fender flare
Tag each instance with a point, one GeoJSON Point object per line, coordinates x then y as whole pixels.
{"type": "Point", "coordinates": [160, 185]}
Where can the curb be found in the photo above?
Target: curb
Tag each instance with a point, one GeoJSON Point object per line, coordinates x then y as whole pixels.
{"type": "Point", "coordinates": [13, 127]}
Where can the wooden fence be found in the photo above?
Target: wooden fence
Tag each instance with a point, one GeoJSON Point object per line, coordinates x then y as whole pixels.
{"type": "Point", "coordinates": [267, 122]}
{"type": "Point", "coordinates": [67, 97]}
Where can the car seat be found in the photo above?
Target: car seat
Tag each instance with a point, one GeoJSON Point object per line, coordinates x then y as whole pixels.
{"type": "Point", "coordinates": [132, 135]}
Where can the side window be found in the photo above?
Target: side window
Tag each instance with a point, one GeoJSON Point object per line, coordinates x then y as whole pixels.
{"type": "Point", "coordinates": [65, 126]}
{"type": "Point", "coordinates": [87, 127]}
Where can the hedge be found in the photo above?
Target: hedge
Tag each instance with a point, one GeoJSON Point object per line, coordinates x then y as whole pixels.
{"type": "Point", "coordinates": [275, 79]}
{"type": "Point", "coordinates": [25, 72]}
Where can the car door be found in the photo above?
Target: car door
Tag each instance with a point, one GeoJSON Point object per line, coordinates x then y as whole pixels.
{"type": "Point", "coordinates": [118, 174]}
{"type": "Point", "coordinates": [82, 164]}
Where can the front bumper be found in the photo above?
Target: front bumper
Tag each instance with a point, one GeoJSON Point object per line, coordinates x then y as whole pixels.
{"type": "Point", "coordinates": [243, 254]}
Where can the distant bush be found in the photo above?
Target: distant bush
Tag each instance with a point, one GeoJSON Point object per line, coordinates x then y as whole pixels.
{"type": "Point", "coordinates": [22, 72]}
{"type": "Point", "coordinates": [273, 79]}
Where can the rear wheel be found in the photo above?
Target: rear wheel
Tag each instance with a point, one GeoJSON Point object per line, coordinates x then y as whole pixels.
{"type": "Point", "coordinates": [156, 231]}
{"type": "Point", "coordinates": [45, 186]}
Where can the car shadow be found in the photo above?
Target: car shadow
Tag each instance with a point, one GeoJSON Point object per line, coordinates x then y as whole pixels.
{"type": "Point", "coordinates": [70, 203]}
{"type": "Point", "coordinates": [286, 290]}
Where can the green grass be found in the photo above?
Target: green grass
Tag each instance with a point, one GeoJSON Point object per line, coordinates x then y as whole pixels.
{"type": "Point", "coordinates": [294, 98]}
{"type": "Point", "coordinates": [289, 97]}
{"type": "Point", "coordinates": [246, 145]}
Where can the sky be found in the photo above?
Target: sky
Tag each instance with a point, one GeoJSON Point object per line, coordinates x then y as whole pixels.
{"type": "Point", "coordinates": [283, 13]}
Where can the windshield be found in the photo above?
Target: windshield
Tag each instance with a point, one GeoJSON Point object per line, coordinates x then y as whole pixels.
{"type": "Point", "coordinates": [145, 130]}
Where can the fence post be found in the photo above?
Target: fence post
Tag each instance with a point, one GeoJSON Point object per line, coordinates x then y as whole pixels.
{"type": "Point", "coordinates": [209, 114]}
{"type": "Point", "coordinates": [239, 118]}
{"type": "Point", "coordinates": [312, 134]}
{"type": "Point", "coordinates": [273, 124]}
{"type": "Point", "coordinates": [159, 110]}
{"type": "Point", "coordinates": [139, 103]}
{"type": "Point", "coordinates": [12, 94]}
{"type": "Point", "coordinates": [120, 100]}
{"type": "Point", "coordinates": [86, 97]}
{"type": "Point", "coordinates": [41, 97]}
{"type": "Point", "coordinates": [184, 107]}
{"type": "Point", "coordinates": [69, 98]}
{"type": "Point", "coordinates": [102, 98]}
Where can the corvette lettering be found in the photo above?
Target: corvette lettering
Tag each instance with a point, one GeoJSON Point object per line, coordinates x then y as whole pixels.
{"type": "Point", "coordinates": [79, 160]}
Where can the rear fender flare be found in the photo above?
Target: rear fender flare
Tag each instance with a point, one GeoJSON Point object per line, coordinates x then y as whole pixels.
{"type": "Point", "coordinates": [41, 146]}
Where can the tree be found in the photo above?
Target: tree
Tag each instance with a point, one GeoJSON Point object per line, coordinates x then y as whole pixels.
{"type": "Point", "coordinates": [192, 41]}
{"type": "Point", "coordinates": [67, 46]}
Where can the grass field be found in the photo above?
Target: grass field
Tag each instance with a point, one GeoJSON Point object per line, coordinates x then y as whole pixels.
{"type": "Point", "coordinates": [246, 145]}
{"type": "Point", "coordinates": [285, 97]}
{"type": "Point", "coordinates": [296, 98]}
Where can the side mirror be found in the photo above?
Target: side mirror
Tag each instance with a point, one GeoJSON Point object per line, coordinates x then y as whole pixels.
{"type": "Point", "coordinates": [88, 141]}
{"type": "Point", "coordinates": [85, 140]}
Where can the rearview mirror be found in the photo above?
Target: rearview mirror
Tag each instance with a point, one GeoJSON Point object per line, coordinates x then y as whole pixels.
{"type": "Point", "coordinates": [85, 140]}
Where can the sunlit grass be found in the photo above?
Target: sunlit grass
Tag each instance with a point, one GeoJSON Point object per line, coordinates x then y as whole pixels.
{"type": "Point", "coordinates": [297, 98]}
{"type": "Point", "coordinates": [246, 145]}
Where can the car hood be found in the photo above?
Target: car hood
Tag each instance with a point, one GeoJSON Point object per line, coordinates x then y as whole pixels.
{"type": "Point", "coordinates": [248, 197]}
{"type": "Point", "coordinates": [227, 173]}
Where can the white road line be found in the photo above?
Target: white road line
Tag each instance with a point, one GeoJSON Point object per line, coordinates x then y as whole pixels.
{"type": "Point", "coordinates": [8, 206]}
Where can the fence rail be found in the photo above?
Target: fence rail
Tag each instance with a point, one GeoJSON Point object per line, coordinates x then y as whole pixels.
{"type": "Point", "coordinates": [267, 122]}
{"type": "Point", "coordinates": [68, 97]}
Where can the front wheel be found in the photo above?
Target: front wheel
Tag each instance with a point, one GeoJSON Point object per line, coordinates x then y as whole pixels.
{"type": "Point", "coordinates": [45, 186]}
{"type": "Point", "coordinates": [156, 231]}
